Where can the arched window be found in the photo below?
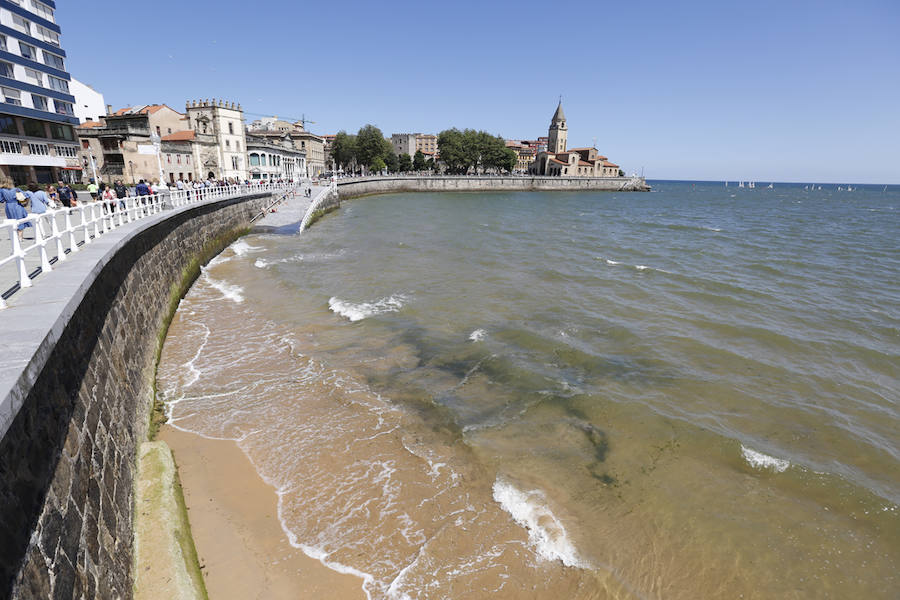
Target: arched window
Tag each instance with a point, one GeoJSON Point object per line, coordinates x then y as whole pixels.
{"type": "Point", "coordinates": [254, 159]}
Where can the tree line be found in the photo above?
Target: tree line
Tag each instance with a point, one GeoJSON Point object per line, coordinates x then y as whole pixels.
{"type": "Point", "coordinates": [461, 152]}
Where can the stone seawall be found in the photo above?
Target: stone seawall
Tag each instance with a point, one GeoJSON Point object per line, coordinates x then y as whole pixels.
{"type": "Point", "coordinates": [362, 186]}
{"type": "Point", "coordinates": [68, 455]}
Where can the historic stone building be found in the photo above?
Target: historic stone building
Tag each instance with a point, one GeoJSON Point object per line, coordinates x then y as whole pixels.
{"type": "Point", "coordinates": [274, 155]}
{"type": "Point", "coordinates": [577, 162]}
{"type": "Point", "coordinates": [225, 121]}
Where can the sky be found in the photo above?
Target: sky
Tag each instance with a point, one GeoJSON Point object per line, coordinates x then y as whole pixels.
{"type": "Point", "coordinates": [793, 90]}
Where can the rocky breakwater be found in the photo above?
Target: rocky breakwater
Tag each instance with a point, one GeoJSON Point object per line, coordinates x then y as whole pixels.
{"type": "Point", "coordinates": [76, 391]}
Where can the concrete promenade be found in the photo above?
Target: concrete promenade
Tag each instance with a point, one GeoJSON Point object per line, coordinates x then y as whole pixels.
{"type": "Point", "coordinates": [287, 215]}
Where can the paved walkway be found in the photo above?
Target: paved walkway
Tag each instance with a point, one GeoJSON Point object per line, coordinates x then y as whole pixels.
{"type": "Point", "coordinates": [287, 215]}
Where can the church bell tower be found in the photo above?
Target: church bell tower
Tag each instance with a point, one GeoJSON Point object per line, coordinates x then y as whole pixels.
{"type": "Point", "coordinates": [558, 131]}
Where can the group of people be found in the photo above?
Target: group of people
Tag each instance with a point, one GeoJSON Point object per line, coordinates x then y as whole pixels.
{"type": "Point", "coordinates": [17, 203]}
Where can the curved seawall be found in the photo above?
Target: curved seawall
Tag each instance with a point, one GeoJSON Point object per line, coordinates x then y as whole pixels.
{"type": "Point", "coordinates": [75, 396]}
{"type": "Point", "coordinates": [363, 186]}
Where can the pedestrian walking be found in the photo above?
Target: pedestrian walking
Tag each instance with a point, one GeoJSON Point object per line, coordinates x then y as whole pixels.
{"type": "Point", "coordinates": [13, 200]}
{"type": "Point", "coordinates": [93, 190]}
{"type": "Point", "coordinates": [66, 195]}
{"type": "Point", "coordinates": [121, 193]}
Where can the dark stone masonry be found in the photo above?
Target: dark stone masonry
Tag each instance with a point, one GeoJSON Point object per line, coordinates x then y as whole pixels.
{"type": "Point", "coordinates": [67, 462]}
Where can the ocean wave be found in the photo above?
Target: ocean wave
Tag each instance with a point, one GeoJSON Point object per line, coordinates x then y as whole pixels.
{"type": "Point", "coordinates": [235, 293]}
{"type": "Point", "coordinates": [758, 460]}
{"type": "Point", "coordinates": [358, 312]}
{"type": "Point", "coordinates": [545, 532]}
{"type": "Point", "coordinates": [477, 335]}
{"type": "Point", "coordinates": [241, 247]}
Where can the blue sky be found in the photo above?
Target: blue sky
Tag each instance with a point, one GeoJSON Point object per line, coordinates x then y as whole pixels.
{"type": "Point", "coordinates": [766, 91]}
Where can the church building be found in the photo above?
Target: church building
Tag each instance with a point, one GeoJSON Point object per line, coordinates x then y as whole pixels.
{"type": "Point", "coordinates": [577, 162]}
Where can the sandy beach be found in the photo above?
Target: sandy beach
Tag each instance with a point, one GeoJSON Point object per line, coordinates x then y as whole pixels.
{"type": "Point", "coordinates": [243, 551]}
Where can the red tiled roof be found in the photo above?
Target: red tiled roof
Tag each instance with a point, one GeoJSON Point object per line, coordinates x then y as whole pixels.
{"type": "Point", "coordinates": [179, 136]}
{"type": "Point", "coordinates": [89, 124]}
{"type": "Point", "coordinates": [559, 162]}
{"type": "Point", "coordinates": [149, 109]}
{"type": "Point", "coordinates": [609, 164]}
{"type": "Point", "coordinates": [584, 163]}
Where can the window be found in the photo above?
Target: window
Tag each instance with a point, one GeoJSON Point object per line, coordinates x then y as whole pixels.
{"type": "Point", "coordinates": [34, 77]}
{"type": "Point", "coordinates": [169, 158]}
{"type": "Point", "coordinates": [85, 144]}
{"type": "Point", "coordinates": [230, 127]}
{"type": "Point", "coordinates": [237, 146]}
{"type": "Point", "coordinates": [262, 159]}
{"type": "Point", "coordinates": [3, 43]}
{"type": "Point", "coordinates": [10, 147]}
{"type": "Point", "coordinates": [64, 108]}
{"type": "Point", "coordinates": [228, 144]}
{"type": "Point", "coordinates": [47, 35]}
{"type": "Point", "coordinates": [27, 51]}
{"type": "Point", "coordinates": [42, 149]}
{"type": "Point", "coordinates": [43, 10]}
{"type": "Point", "coordinates": [52, 60]}
{"type": "Point", "coordinates": [188, 157]}
{"type": "Point", "coordinates": [34, 128]}
{"type": "Point", "coordinates": [60, 85]}
{"type": "Point", "coordinates": [254, 160]}
{"type": "Point", "coordinates": [67, 151]}
{"type": "Point", "coordinates": [178, 158]}
{"type": "Point", "coordinates": [170, 130]}
{"type": "Point", "coordinates": [6, 69]}
{"type": "Point", "coordinates": [23, 25]}
{"type": "Point", "coordinates": [58, 131]}
{"type": "Point", "coordinates": [157, 130]}
{"type": "Point", "coordinates": [11, 96]}
{"type": "Point", "coordinates": [234, 162]}
{"type": "Point", "coordinates": [8, 125]}
{"type": "Point", "coordinates": [40, 102]}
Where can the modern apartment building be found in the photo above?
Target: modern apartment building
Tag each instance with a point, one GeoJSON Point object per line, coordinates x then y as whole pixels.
{"type": "Point", "coordinates": [427, 143]}
{"type": "Point", "coordinates": [37, 142]}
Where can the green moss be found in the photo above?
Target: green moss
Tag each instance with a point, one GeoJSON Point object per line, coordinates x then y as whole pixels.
{"type": "Point", "coordinates": [319, 214]}
{"type": "Point", "coordinates": [186, 539]}
{"type": "Point", "coordinates": [177, 291]}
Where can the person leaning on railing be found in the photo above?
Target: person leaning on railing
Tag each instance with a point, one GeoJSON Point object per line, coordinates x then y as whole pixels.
{"type": "Point", "coordinates": [13, 200]}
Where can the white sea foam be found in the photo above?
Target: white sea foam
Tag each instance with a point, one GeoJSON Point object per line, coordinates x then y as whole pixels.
{"type": "Point", "coordinates": [545, 532]}
{"type": "Point", "coordinates": [260, 263]}
{"type": "Point", "coordinates": [612, 262]}
{"type": "Point", "coordinates": [228, 291]}
{"type": "Point", "coordinates": [241, 247]}
{"type": "Point", "coordinates": [477, 335]}
{"type": "Point", "coordinates": [641, 267]}
{"type": "Point", "coordinates": [357, 312]}
{"type": "Point", "coordinates": [758, 460]}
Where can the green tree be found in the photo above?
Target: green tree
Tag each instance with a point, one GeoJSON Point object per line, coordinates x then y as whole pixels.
{"type": "Point", "coordinates": [430, 165]}
{"type": "Point", "coordinates": [392, 162]}
{"type": "Point", "coordinates": [405, 162]}
{"type": "Point", "coordinates": [370, 144]}
{"type": "Point", "coordinates": [418, 161]}
{"type": "Point", "coordinates": [377, 165]}
{"type": "Point", "coordinates": [453, 148]}
{"type": "Point", "coordinates": [343, 150]}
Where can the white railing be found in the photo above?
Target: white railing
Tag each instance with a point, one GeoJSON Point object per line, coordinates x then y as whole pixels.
{"type": "Point", "coordinates": [62, 231]}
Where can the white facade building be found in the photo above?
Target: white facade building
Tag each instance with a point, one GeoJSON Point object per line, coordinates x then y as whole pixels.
{"type": "Point", "coordinates": [89, 103]}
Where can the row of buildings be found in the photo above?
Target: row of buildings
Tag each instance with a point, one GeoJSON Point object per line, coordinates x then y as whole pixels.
{"type": "Point", "coordinates": [54, 128]}
{"type": "Point", "coordinates": [547, 156]}
{"type": "Point", "coordinates": [209, 140]}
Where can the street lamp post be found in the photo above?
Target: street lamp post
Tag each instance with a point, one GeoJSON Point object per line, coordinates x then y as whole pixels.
{"type": "Point", "coordinates": [156, 141]}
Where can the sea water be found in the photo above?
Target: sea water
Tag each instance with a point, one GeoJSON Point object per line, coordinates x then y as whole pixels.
{"type": "Point", "coordinates": [691, 393]}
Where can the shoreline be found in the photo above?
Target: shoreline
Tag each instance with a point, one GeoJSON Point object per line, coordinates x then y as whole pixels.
{"type": "Point", "coordinates": [244, 552]}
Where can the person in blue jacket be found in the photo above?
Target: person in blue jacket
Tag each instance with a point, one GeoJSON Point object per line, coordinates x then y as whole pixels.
{"type": "Point", "coordinates": [14, 210]}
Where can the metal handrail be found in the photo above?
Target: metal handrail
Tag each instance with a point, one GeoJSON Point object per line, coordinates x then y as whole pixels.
{"type": "Point", "coordinates": [85, 222]}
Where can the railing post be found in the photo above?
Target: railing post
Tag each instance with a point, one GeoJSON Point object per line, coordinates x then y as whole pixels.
{"type": "Point", "coordinates": [57, 236]}
{"type": "Point", "coordinates": [73, 243]}
{"type": "Point", "coordinates": [24, 281]}
{"type": "Point", "coordinates": [41, 243]}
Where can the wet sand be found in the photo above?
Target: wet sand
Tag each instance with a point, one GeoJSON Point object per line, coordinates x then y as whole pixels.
{"type": "Point", "coordinates": [243, 551]}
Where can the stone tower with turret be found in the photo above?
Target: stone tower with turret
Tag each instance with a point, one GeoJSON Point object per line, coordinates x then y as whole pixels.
{"type": "Point", "coordinates": [558, 131]}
